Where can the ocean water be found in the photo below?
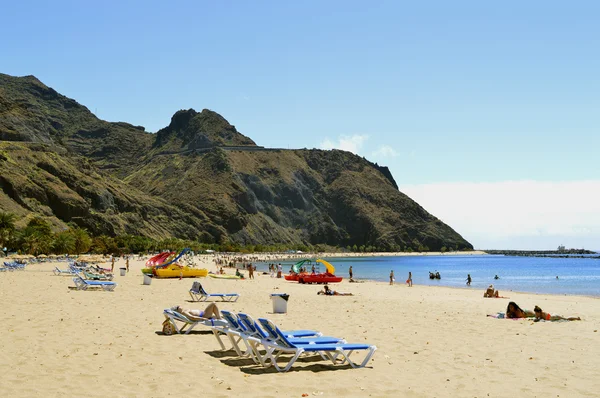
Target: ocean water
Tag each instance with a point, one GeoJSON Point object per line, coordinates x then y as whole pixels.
{"type": "Point", "coordinates": [576, 276]}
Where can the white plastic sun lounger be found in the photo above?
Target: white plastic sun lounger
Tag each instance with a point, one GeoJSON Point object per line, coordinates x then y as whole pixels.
{"type": "Point", "coordinates": [83, 284]}
{"type": "Point", "coordinates": [217, 325]}
{"type": "Point", "coordinates": [198, 293]}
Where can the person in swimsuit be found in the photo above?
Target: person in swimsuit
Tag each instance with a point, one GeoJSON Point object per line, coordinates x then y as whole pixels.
{"type": "Point", "coordinates": [514, 311]}
{"type": "Point", "coordinates": [539, 314]}
{"type": "Point", "coordinates": [210, 312]}
{"type": "Point", "coordinates": [392, 277]}
{"type": "Point", "coordinates": [490, 292]}
{"type": "Point", "coordinates": [328, 292]}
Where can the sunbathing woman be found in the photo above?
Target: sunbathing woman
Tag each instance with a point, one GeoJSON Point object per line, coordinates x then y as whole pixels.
{"type": "Point", "coordinates": [539, 314]}
{"type": "Point", "coordinates": [490, 292]}
{"type": "Point", "coordinates": [210, 312]}
{"type": "Point", "coordinates": [514, 311]}
{"type": "Point", "coordinates": [328, 292]}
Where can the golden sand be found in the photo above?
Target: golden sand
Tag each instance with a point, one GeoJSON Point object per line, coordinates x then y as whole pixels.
{"type": "Point", "coordinates": [432, 341]}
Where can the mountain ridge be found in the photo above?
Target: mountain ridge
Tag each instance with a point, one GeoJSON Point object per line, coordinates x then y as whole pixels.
{"type": "Point", "coordinates": [197, 178]}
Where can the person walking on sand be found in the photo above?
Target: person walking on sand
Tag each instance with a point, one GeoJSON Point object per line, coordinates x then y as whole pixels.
{"type": "Point", "coordinates": [409, 280]}
{"type": "Point", "coordinates": [468, 279]}
{"type": "Point", "coordinates": [392, 277]}
{"type": "Point", "coordinates": [112, 266]}
{"type": "Point", "coordinates": [127, 263]}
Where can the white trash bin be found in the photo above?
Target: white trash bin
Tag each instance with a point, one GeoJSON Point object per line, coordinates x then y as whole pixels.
{"type": "Point", "coordinates": [147, 279]}
{"type": "Point", "coordinates": [280, 301]}
{"type": "Point", "coordinates": [123, 271]}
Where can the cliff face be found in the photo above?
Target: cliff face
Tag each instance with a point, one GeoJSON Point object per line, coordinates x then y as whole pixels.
{"type": "Point", "coordinates": [197, 178]}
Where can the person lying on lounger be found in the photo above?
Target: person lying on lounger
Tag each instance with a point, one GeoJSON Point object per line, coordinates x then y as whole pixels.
{"type": "Point", "coordinates": [328, 292]}
{"type": "Point", "coordinates": [539, 314]}
{"type": "Point", "coordinates": [210, 312]}
{"type": "Point", "coordinates": [514, 311]}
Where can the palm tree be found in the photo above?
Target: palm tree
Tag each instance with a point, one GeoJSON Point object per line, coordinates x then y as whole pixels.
{"type": "Point", "coordinates": [7, 227]}
{"type": "Point", "coordinates": [64, 242]}
{"type": "Point", "coordinates": [83, 242]}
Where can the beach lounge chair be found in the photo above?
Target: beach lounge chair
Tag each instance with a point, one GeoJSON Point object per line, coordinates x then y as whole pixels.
{"type": "Point", "coordinates": [198, 293]}
{"type": "Point", "coordinates": [97, 277]}
{"type": "Point", "coordinates": [237, 333]}
{"type": "Point", "coordinates": [83, 284]}
{"type": "Point", "coordinates": [336, 353]}
{"type": "Point", "coordinates": [58, 271]}
{"type": "Point", "coordinates": [217, 325]}
{"type": "Point", "coordinates": [255, 330]}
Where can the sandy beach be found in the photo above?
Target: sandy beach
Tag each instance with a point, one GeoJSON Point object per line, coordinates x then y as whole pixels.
{"type": "Point", "coordinates": [432, 341]}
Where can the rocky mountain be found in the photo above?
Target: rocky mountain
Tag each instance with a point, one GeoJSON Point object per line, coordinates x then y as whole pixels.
{"type": "Point", "coordinates": [197, 178]}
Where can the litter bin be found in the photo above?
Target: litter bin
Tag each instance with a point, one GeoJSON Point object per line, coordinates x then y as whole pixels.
{"type": "Point", "coordinates": [123, 271]}
{"type": "Point", "coordinates": [147, 279]}
{"type": "Point", "coordinates": [280, 301]}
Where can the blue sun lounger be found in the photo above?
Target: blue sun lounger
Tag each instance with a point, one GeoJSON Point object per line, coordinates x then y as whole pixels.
{"type": "Point", "coordinates": [336, 353]}
{"type": "Point", "coordinates": [198, 293]}
{"type": "Point", "coordinates": [254, 329]}
{"type": "Point", "coordinates": [237, 332]}
{"type": "Point", "coordinates": [83, 284]}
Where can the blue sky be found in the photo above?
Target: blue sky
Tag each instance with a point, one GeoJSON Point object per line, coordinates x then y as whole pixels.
{"type": "Point", "coordinates": [449, 95]}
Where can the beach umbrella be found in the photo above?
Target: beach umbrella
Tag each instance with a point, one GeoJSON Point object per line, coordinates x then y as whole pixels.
{"type": "Point", "coordinates": [42, 256]}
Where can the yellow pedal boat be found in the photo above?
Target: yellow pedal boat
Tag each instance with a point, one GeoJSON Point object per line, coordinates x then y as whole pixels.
{"type": "Point", "coordinates": [176, 271]}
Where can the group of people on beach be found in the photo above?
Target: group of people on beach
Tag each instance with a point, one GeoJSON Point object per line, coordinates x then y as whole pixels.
{"type": "Point", "coordinates": [513, 311]}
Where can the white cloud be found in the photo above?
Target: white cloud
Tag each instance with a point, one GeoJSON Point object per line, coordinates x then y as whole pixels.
{"type": "Point", "coordinates": [385, 151]}
{"type": "Point", "coordinates": [350, 143]}
{"type": "Point", "coordinates": [517, 214]}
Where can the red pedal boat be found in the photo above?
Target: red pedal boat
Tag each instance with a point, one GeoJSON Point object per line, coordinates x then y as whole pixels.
{"type": "Point", "coordinates": [324, 277]}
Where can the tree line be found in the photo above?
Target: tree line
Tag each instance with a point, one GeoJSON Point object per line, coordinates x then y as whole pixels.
{"type": "Point", "coordinates": [37, 237]}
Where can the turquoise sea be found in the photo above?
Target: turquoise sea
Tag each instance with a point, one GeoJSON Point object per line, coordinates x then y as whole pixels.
{"type": "Point", "coordinates": [576, 276]}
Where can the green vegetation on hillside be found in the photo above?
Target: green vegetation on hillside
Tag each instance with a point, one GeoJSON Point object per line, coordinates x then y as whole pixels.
{"type": "Point", "coordinates": [197, 179]}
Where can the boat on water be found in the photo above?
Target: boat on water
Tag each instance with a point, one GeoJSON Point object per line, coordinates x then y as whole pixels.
{"type": "Point", "coordinates": [321, 277]}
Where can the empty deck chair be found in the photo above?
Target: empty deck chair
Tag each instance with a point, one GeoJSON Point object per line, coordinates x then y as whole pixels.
{"type": "Point", "coordinates": [58, 271]}
{"type": "Point", "coordinates": [83, 284]}
{"type": "Point", "coordinates": [198, 293]}
{"type": "Point", "coordinates": [255, 330]}
{"type": "Point", "coordinates": [336, 353]}
{"type": "Point", "coordinates": [237, 333]}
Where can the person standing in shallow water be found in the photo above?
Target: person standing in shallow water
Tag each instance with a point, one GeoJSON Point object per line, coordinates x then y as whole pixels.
{"type": "Point", "coordinates": [391, 277]}
{"type": "Point", "coordinates": [350, 272]}
{"type": "Point", "coordinates": [409, 280]}
{"type": "Point", "coordinates": [468, 279]}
